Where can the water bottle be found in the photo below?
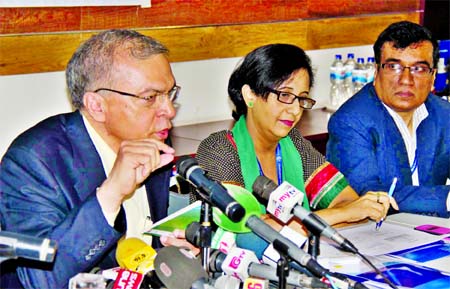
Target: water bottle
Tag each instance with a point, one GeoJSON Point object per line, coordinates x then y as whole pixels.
{"type": "Point", "coordinates": [337, 72]}
{"type": "Point", "coordinates": [349, 65]}
{"type": "Point", "coordinates": [370, 67]}
{"type": "Point", "coordinates": [441, 76]}
{"type": "Point", "coordinates": [359, 75]}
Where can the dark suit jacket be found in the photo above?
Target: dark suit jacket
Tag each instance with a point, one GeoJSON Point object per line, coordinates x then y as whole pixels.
{"type": "Point", "coordinates": [48, 180]}
{"type": "Point", "coordinates": [367, 147]}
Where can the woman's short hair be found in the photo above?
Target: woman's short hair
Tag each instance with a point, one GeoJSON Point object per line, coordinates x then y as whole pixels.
{"type": "Point", "coordinates": [266, 67]}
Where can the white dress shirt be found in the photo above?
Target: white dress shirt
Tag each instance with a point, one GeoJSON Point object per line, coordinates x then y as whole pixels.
{"type": "Point", "coordinates": [410, 140]}
{"type": "Point", "coordinates": [136, 207]}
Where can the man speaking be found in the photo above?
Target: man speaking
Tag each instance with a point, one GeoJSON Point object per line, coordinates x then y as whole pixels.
{"type": "Point", "coordinates": [87, 178]}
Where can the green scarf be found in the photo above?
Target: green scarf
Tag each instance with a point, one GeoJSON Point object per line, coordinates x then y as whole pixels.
{"type": "Point", "coordinates": [292, 162]}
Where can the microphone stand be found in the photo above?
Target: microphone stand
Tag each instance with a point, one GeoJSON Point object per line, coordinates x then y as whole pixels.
{"type": "Point", "coordinates": [205, 233]}
{"type": "Point", "coordinates": [314, 245]}
{"type": "Point", "coordinates": [282, 264]}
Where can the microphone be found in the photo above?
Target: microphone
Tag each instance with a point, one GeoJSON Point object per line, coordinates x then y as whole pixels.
{"type": "Point", "coordinates": [128, 279]}
{"type": "Point", "coordinates": [269, 234]}
{"type": "Point", "coordinates": [15, 245]}
{"type": "Point", "coordinates": [188, 168]}
{"type": "Point", "coordinates": [237, 263]}
{"type": "Point", "coordinates": [178, 268]}
{"type": "Point", "coordinates": [279, 197]}
{"type": "Point", "coordinates": [134, 254]}
{"type": "Point", "coordinates": [136, 259]}
{"type": "Point", "coordinates": [244, 264]}
{"type": "Point", "coordinates": [252, 222]}
{"type": "Point", "coordinates": [228, 282]}
{"type": "Point", "coordinates": [222, 240]}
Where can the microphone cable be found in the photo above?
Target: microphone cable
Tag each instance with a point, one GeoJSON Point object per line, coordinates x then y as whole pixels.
{"type": "Point", "coordinates": [389, 282]}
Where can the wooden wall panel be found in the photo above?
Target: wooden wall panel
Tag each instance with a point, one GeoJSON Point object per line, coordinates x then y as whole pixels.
{"type": "Point", "coordinates": [329, 32]}
{"type": "Point", "coordinates": [50, 52]}
{"type": "Point", "coordinates": [28, 20]}
{"type": "Point", "coordinates": [37, 53]}
{"type": "Point", "coordinates": [96, 18]}
{"type": "Point", "coordinates": [169, 13]}
{"type": "Point", "coordinates": [333, 8]}
{"type": "Point", "coordinates": [212, 12]}
{"type": "Point", "coordinates": [43, 39]}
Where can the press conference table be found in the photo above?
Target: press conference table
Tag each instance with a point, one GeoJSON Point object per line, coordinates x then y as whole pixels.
{"type": "Point", "coordinates": [312, 125]}
{"type": "Point", "coordinates": [413, 220]}
{"type": "Point", "coordinates": [408, 257]}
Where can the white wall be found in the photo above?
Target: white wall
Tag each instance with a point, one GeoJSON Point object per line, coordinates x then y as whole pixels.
{"type": "Point", "coordinates": [27, 99]}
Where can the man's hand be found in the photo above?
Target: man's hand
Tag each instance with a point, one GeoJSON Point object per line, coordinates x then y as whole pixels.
{"type": "Point", "coordinates": [178, 239]}
{"type": "Point", "coordinates": [136, 160]}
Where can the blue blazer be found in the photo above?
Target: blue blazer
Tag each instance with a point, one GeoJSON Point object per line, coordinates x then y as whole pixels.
{"type": "Point", "coordinates": [366, 146]}
{"type": "Point", "coordinates": [48, 180]}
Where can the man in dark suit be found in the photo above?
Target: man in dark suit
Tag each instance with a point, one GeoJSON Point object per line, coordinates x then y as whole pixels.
{"type": "Point", "coordinates": [86, 179]}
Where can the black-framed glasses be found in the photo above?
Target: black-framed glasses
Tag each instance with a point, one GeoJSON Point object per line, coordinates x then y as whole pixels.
{"type": "Point", "coordinates": [289, 98]}
{"type": "Point", "coordinates": [395, 68]}
{"type": "Point", "coordinates": [171, 95]}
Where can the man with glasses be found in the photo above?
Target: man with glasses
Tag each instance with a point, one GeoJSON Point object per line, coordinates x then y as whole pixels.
{"type": "Point", "coordinates": [395, 126]}
{"type": "Point", "coordinates": [88, 178]}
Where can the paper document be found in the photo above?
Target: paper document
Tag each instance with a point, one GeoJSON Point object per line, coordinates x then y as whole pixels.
{"type": "Point", "coordinates": [434, 255]}
{"type": "Point", "coordinates": [409, 258]}
{"type": "Point", "coordinates": [178, 220]}
{"type": "Point", "coordinates": [390, 238]}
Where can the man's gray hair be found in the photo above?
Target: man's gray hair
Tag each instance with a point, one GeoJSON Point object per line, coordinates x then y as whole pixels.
{"type": "Point", "coordinates": [93, 61]}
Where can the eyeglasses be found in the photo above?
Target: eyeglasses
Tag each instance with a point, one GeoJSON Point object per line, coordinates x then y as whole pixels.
{"type": "Point", "coordinates": [171, 95]}
{"type": "Point", "coordinates": [419, 70]}
{"type": "Point", "coordinates": [289, 98]}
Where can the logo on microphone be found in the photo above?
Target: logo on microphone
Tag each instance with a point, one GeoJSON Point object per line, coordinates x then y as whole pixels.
{"type": "Point", "coordinates": [287, 195]}
{"type": "Point", "coordinates": [278, 210]}
{"type": "Point", "coordinates": [127, 279]}
{"type": "Point", "coordinates": [284, 197]}
{"type": "Point", "coordinates": [165, 269]}
{"type": "Point", "coordinates": [256, 283]}
{"type": "Point", "coordinates": [282, 200]}
{"type": "Point", "coordinates": [236, 260]}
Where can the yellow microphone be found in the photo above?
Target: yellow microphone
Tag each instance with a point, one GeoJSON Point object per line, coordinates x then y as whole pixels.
{"type": "Point", "coordinates": [136, 255]}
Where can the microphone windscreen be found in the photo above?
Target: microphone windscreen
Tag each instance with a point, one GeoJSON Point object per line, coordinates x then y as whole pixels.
{"type": "Point", "coordinates": [136, 255]}
{"type": "Point", "coordinates": [184, 163]}
{"type": "Point", "coordinates": [192, 233]}
{"type": "Point", "coordinates": [263, 187]}
{"type": "Point", "coordinates": [247, 201]}
{"type": "Point", "coordinates": [178, 268]}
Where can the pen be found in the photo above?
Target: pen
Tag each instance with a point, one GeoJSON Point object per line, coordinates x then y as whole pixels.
{"type": "Point", "coordinates": [391, 191]}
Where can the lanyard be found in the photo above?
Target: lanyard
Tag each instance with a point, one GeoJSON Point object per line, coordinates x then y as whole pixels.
{"type": "Point", "coordinates": [414, 164]}
{"type": "Point", "coordinates": [279, 162]}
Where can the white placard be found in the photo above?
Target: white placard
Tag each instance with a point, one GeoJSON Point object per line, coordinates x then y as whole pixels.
{"type": "Point", "coordinates": [73, 3]}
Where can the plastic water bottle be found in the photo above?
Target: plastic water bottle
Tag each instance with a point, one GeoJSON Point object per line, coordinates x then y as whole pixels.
{"type": "Point", "coordinates": [337, 73]}
{"type": "Point", "coordinates": [359, 75]}
{"type": "Point", "coordinates": [370, 67]}
{"type": "Point", "coordinates": [349, 65]}
{"type": "Point", "coordinates": [441, 76]}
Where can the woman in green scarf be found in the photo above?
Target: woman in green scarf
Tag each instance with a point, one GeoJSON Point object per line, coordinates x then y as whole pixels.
{"type": "Point", "coordinates": [270, 89]}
